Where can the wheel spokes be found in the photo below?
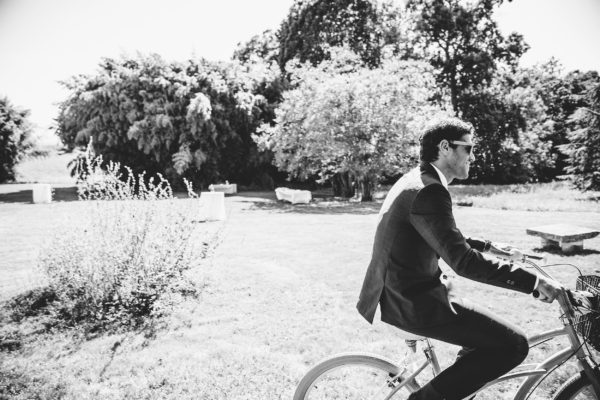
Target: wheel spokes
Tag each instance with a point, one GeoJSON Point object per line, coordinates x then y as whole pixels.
{"type": "Point", "coordinates": [354, 382]}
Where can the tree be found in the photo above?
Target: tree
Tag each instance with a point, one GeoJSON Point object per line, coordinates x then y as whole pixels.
{"type": "Point", "coordinates": [15, 137]}
{"type": "Point", "coordinates": [263, 47]}
{"type": "Point", "coordinates": [563, 95]}
{"type": "Point", "coordinates": [313, 26]}
{"type": "Point", "coordinates": [191, 120]}
{"type": "Point", "coordinates": [583, 151]}
{"type": "Point", "coordinates": [512, 129]}
{"type": "Point", "coordinates": [361, 123]}
{"type": "Point", "coordinates": [463, 43]}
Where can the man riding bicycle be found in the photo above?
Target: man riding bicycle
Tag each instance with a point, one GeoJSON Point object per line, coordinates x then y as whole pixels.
{"type": "Point", "coordinates": [416, 227]}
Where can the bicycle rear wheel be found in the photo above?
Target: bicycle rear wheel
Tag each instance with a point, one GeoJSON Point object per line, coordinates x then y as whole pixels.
{"type": "Point", "coordinates": [578, 387]}
{"type": "Point", "coordinates": [352, 376]}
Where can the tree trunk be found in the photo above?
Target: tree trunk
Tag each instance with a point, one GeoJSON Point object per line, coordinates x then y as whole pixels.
{"type": "Point", "coordinates": [454, 95]}
{"type": "Point", "coordinates": [342, 185]}
{"type": "Point", "coordinates": [366, 188]}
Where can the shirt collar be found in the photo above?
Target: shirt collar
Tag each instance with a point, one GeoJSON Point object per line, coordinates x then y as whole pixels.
{"type": "Point", "coordinates": [441, 175]}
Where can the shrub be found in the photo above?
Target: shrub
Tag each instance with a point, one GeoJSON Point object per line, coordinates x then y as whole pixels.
{"type": "Point", "coordinates": [15, 135]}
{"type": "Point", "coordinates": [97, 180]}
{"type": "Point", "coordinates": [188, 120]}
{"type": "Point", "coordinates": [127, 258]}
{"type": "Point", "coordinates": [343, 119]}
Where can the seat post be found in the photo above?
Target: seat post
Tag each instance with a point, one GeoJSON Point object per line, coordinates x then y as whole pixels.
{"type": "Point", "coordinates": [412, 344]}
{"type": "Point", "coordinates": [429, 351]}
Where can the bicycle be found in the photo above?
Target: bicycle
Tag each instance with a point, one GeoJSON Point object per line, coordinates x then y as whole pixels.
{"type": "Point", "coordinates": [344, 375]}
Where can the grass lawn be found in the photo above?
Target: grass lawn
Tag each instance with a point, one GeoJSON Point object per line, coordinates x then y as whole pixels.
{"type": "Point", "coordinates": [52, 168]}
{"type": "Point", "coordinates": [281, 289]}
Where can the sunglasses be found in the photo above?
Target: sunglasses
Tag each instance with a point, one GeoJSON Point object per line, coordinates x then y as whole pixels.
{"type": "Point", "coordinates": [468, 146]}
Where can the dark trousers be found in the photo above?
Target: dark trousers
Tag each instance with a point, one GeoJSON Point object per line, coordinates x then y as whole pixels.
{"type": "Point", "coordinates": [493, 347]}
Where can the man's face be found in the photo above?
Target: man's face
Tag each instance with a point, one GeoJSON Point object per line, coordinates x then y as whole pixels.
{"type": "Point", "coordinates": [460, 158]}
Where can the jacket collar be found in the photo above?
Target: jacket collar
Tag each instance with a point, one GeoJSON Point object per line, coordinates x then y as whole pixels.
{"type": "Point", "coordinates": [440, 174]}
{"type": "Point", "coordinates": [429, 173]}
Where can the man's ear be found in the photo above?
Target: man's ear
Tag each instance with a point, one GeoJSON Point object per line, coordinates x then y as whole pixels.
{"type": "Point", "coordinates": [444, 146]}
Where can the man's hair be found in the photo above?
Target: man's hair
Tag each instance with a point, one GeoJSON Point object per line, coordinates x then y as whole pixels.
{"type": "Point", "coordinates": [447, 128]}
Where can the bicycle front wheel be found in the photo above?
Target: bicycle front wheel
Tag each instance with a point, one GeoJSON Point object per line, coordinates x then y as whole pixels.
{"type": "Point", "coordinates": [353, 376]}
{"type": "Point", "coordinates": [578, 387]}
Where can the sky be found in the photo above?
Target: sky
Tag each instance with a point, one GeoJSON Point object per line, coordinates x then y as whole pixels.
{"type": "Point", "coordinates": [45, 41]}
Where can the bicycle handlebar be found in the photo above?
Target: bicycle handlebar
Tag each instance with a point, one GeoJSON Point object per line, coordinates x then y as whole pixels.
{"type": "Point", "coordinates": [533, 257]}
{"type": "Point", "coordinates": [576, 298]}
{"type": "Point", "coordinates": [527, 256]}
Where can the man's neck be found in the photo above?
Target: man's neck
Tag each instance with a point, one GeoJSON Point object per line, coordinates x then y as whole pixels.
{"type": "Point", "coordinates": [442, 168]}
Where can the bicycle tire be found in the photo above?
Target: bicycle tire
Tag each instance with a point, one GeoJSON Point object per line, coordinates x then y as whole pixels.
{"type": "Point", "coordinates": [577, 387]}
{"type": "Point", "coordinates": [312, 380]}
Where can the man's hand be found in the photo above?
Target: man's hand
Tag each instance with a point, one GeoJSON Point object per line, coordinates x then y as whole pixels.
{"type": "Point", "coordinates": [548, 289]}
{"type": "Point", "coordinates": [513, 253]}
{"type": "Point", "coordinates": [507, 252]}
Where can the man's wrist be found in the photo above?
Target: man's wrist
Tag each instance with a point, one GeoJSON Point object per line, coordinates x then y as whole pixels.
{"type": "Point", "coordinates": [487, 246]}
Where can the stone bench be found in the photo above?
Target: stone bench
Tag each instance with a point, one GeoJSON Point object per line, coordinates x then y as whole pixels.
{"type": "Point", "coordinates": [293, 196]}
{"type": "Point", "coordinates": [227, 188]}
{"type": "Point", "coordinates": [568, 237]}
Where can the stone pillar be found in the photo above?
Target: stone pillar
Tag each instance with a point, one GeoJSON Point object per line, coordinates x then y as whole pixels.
{"type": "Point", "coordinates": [213, 205]}
{"type": "Point", "coordinates": [42, 193]}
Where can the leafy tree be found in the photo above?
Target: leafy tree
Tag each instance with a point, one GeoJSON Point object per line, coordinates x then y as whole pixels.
{"type": "Point", "coordinates": [584, 147]}
{"type": "Point", "coordinates": [563, 95]}
{"type": "Point", "coordinates": [263, 47]}
{"type": "Point", "coordinates": [512, 128]}
{"type": "Point", "coordinates": [360, 123]}
{"type": "Point", "coordinates": [190, 120]}
{"type": "Point", "coordinates": [463, 43]}
{"type": "Point", "coordinates": [313, 26]}
{"type": "Point", "coordinates": [15, 137]}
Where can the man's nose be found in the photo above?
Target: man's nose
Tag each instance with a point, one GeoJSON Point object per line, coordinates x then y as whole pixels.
{"type": "Point", "coordinates": [471, 156]}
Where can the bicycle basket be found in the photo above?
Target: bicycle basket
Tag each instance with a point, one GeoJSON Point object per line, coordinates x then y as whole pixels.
{"type": "Point", "coordinates": [588, 324]}
{"type": "Point", "coordinates": [591, 283]}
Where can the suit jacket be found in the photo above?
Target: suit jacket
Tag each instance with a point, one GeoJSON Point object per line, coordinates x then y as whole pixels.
{"type": "Point", "coordinates": [416, 227]}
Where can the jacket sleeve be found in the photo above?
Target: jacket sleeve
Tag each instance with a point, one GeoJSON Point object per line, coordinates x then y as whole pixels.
{"type": "Point", "coordinates": [477, 244]}
{"type": "Point", "coordinates": [431, 215]}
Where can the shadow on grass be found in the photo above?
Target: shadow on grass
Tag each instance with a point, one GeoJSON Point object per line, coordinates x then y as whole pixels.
{"type": "Point", "coordinates": [26, 316]}
{"type": "Point", "coordinates": [26, 196]}
{"type": "Point", "coordinates": [320, 206]}
{"type": "Point", "coordinates": [30, 317]}
{"type": "Point", "coordinates": [557, 251]}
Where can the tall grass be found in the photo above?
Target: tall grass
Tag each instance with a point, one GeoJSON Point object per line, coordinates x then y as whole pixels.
{"type": "Point", "coordinates": [128, 257]}
{"type": "Point", "coordinates": [117, 264]}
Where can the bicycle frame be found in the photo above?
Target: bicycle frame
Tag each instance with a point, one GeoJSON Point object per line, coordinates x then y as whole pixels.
{"type": "Point", "coordinates": [533, 373]}
{"type": "Point", "coordinates": [536, 372]}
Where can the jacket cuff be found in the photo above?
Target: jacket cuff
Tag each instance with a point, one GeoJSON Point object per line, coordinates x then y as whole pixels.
{"type": "Point", "coordinates": [479, 245]}
{"type": "Point", "coordinates": [487, 246]}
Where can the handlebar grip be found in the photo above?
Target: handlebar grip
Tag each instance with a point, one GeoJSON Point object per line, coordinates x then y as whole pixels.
{"type": "Point", "coordinates": [533, 257]}
{"type": "Point", "coordinates": [535, 294]}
